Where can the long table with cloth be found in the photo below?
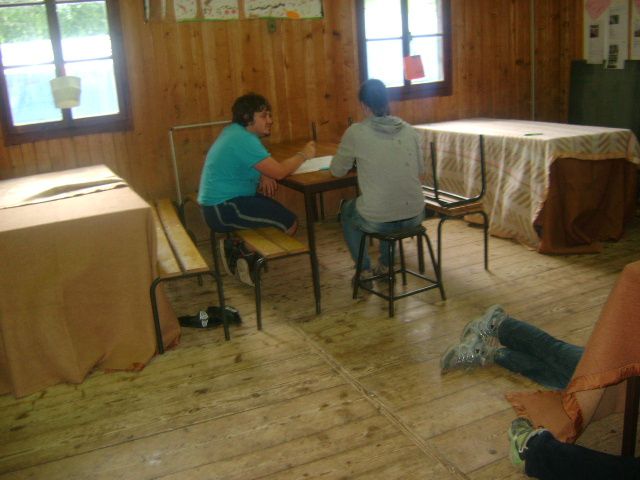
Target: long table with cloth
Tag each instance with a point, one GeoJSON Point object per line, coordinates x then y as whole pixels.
{"type": "Point", "coordinates": [554, 187]}
{"type": "Point", "coordinates": [598, 385]}
{"type": "Point", "coordinates": [78, 257]}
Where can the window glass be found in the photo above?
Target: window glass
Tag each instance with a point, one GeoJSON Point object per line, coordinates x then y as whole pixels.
{"type": "Point", "coordinates": [30, 94]}
{"type": "Point", "coordinates": [98, 88]}
{"type": "Point", "coordinates": [24, 36]}
{"type": "Point", "coordinates": [392, 30]}
{"type": "Point", "coordinates": [385, 61]}
{"type": "Point", "coordinates": [84, 31]}
{"type": "Point", "coordinates": [383, 18]}
{"type": "Point", "coordinates": [424, 17]}
{"type": "Point", "coordinates": [430, 51]}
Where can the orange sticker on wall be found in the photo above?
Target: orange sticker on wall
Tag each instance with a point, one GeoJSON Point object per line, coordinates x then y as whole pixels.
{"type": "Point", "coordinates": [413, 68]}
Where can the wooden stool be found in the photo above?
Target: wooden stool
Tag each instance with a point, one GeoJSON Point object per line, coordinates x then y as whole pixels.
{"type": "Point", "coordinates": [421, 233]}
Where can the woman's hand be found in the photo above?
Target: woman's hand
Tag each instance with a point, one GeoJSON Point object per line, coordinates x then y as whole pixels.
{"type": "Point", "coordinates": [268, 186]}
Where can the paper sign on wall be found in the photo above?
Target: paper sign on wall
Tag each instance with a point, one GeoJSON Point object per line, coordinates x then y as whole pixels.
{"type": "Point", "coordinates": [617, 50]}
{"type": "Point", "coordinates": [413, 68]}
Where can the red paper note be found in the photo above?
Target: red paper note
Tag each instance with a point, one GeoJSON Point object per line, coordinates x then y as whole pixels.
{"type": "Point", "coordinates": [413, 67]}
{"type": "Point", "coordinates": [597, 7]}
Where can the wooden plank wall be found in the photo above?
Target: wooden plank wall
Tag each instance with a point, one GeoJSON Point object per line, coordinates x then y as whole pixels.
{"type": "Point", "coordinates": [191, 72]}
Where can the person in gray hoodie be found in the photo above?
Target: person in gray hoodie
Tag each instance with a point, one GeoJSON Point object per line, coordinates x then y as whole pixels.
{"type": "Point", "coordinates": [387, 153]}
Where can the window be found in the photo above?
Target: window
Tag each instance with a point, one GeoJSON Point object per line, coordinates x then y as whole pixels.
{"type": "Point", "coordinates": [390, 31]}
{"type": "Point", "coordinates": [44, 39]}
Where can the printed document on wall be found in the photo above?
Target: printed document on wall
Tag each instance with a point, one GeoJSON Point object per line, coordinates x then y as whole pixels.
{"type": "Point", "coordinates": [595, 26]}
{"type": "Point", "coordinates": [617, 49]}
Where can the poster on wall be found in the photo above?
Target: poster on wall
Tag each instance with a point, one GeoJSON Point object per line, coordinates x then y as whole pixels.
{"type": "Point", "coordinates": [635, 31]}
{"type": "Point", "coordinates": [220, 9]}
{"type": "Point", "coordinates": [283, 9]}
{"type": "Point", "coordinates": [617, 43]}
{"type": "Point", "coordinates": [596, 22]}
{"type": "Point", "coordinates": [185, 10]}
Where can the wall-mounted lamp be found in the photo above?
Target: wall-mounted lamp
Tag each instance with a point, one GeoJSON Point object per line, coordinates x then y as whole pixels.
{"type": "Point", "coordinates": [66, 91]}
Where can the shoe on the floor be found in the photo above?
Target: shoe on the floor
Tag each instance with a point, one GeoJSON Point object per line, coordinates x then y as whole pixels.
{"type": "Point", "coordinates": [473, 352]}
{"type": "Point", "coordinates": [520, 432]}
{"type": "Point", "coordinates": [243, 271]}
{"type": "Point", "coordinates": [485, 326]}
{"type": "Point", "coordinates": [381, 269]}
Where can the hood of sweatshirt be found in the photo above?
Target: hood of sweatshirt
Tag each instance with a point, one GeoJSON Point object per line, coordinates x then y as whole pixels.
{"type": "Point", "coordinates": [388, 124]}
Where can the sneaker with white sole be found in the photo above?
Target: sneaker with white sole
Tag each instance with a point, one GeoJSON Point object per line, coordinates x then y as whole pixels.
{"type": "Point", "coordinates": [473, 352]}
{"type": "Point", "coordinates": [243, 271]}
{"type": "Point", "coordinates": [520, 432]}
{"type": "Point", "coordinates": [486, 326]}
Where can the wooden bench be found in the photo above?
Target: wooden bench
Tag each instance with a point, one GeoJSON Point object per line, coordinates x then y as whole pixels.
{"type": "Point", "coordinates": [177, 257]}
{"type": "Point", "coordinates": [269, 244]}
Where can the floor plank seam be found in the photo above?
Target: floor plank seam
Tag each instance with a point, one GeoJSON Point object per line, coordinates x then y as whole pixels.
{"type": "Point", "coordinates": [378, 404]}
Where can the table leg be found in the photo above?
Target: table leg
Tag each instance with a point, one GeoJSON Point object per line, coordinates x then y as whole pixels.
{"type": "Point", "coordinates": [310, 211]}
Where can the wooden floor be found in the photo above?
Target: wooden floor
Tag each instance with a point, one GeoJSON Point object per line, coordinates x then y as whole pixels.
{"type": "Point", "coordinates": [350, 393]}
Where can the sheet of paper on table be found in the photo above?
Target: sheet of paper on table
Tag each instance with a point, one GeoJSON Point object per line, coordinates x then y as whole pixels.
{"type": "Point", "coordinates": [314, 164]}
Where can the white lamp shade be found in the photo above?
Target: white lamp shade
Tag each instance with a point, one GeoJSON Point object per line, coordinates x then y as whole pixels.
{"type": "Point", "coordinates": [66, 91]}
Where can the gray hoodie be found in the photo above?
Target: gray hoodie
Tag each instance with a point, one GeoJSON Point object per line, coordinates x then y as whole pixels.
{"type": "Point", "coordinates": [387, 153]}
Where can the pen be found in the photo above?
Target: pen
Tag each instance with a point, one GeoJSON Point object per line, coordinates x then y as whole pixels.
{"type": "Point", "coordinates": [532, 134]}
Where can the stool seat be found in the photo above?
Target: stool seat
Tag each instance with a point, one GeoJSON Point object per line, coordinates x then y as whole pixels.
{"type": "Point", "coordinates": [393, 238]}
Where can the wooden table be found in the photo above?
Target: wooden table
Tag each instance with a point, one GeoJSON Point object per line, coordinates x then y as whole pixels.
{"type": "Point", "coordinates": [76, 269]}
{"type": "Point", "coordinates": [312, 183]}
{"type": "Point", "coordinates": [558, 188]}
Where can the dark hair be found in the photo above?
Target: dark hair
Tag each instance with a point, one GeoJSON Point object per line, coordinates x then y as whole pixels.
{"type": "Point", "coordinates": [245, 106]}
{"type": "Point", "coordinates": [373, 94]}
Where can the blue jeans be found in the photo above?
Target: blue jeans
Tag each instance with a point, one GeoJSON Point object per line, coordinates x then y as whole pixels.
{"type": "Point", "coordinates": [548, 459]}
{"type": "Point", "coordinates": [353, 225]}
{"type": "Point", "coordinates": [535, 354]}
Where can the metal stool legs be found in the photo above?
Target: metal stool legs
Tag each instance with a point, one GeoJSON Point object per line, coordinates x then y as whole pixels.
{"type": "Point", "coordinates": [392, 238]}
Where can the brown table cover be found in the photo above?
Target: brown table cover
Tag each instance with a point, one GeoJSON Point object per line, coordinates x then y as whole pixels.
{"type": "Point", "coordinates": [588, 202]}
{"type": "Point", "coordinates": [74, 289]}
{"type": "Point", "coordinates": [598, 386]}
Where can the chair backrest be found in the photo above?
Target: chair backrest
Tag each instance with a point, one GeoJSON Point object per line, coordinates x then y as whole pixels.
{"type": "Point", "coordinates": [451, 199]}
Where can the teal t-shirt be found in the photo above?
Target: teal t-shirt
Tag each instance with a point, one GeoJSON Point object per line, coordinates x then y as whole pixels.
{"type": "Point", "coordinates": [229, 168]}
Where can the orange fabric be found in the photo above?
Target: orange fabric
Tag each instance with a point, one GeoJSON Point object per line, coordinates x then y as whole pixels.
{"type": "Point", "coordinates": [587, 202]}
{"type": "Point", "coordinates": [597, 388]}
{"type": "Point", "coordinates": [74, 289]}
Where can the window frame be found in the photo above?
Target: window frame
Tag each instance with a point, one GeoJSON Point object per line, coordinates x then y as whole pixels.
{"type": "Point", "coordinates": [408, 91]}
{"type": "Point", "coordinates": [68, 127]}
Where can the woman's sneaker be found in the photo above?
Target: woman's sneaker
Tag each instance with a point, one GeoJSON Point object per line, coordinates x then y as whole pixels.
{"type": "Point", "coordinates": [520, 432]}
{"type": "Point", "coordinates": [473, 352]}
{"type": "Point", "coordinates": [486, 326]}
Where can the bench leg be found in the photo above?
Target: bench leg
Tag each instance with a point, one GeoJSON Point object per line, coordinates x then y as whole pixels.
{"type": "Point", "coordinates": [257, 267]}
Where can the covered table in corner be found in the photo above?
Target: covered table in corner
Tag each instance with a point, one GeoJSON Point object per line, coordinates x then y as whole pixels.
{"type": "Point", "coordinates": [555, 187]}
{"type": "Point", "coordinates": [78, 256]}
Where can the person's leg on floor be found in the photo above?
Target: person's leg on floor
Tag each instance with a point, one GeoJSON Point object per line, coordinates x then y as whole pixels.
{"type": "Point", "coordinates": [548, 459]}
{"type": "Point", "coordinates": [350, 220]}
{"type": "Point", "coordinates": [542, 358]}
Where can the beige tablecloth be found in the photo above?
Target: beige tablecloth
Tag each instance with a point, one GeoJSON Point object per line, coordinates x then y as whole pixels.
{"type": "Point", "coordinates": [74, 289]}
{"type": "Point", "coordinates": [598, 386]}
{"type": "Point", "coordinates": [520, 155]}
